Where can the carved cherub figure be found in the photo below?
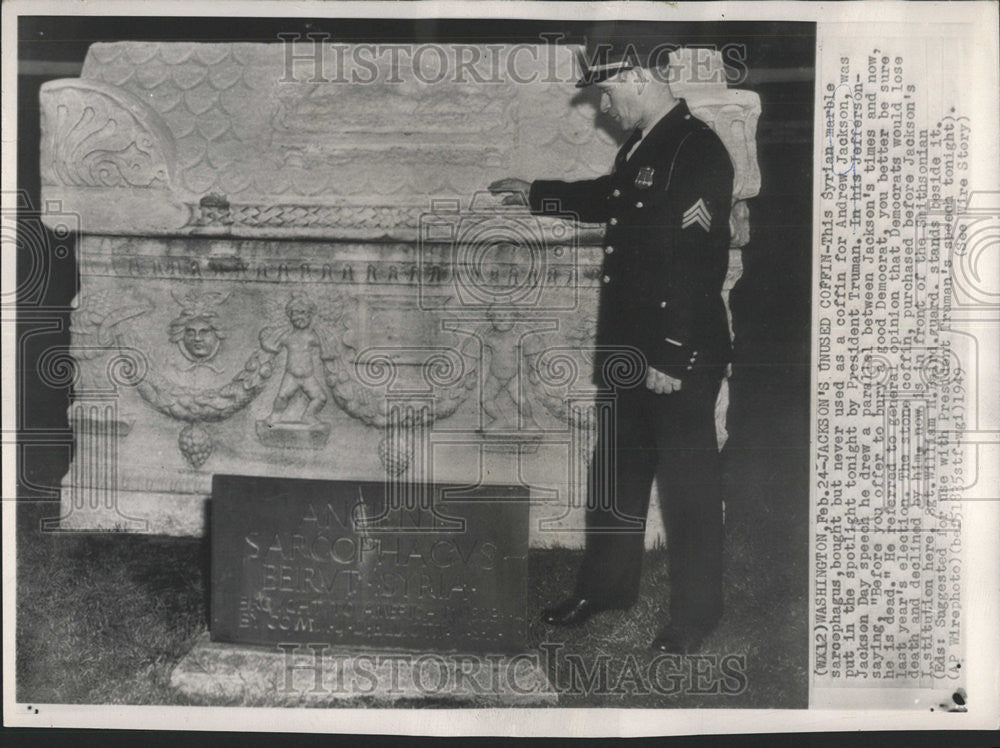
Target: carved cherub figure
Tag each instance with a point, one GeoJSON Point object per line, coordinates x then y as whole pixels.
{"type": "Point", "coordinates": [302, 346]}
{"type": "Point", "coordinates": [502, 402]}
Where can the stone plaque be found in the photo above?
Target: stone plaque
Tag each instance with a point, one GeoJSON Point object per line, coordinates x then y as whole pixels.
{"type": "Point", "coordinates": [429, 567]}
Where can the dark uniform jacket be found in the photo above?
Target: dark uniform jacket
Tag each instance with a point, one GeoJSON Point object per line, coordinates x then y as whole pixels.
{"type": "Point", "coordinates": [666, 245]}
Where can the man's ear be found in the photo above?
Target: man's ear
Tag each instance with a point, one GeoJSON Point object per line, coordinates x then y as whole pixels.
{"type": "Point", "coordinates": [639, 77]}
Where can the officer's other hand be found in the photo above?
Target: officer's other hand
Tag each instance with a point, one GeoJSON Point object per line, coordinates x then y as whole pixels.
{"type": "Point", "coordinates": [661, 383]}
{"type": "Point", "coordinates": [518, 189]}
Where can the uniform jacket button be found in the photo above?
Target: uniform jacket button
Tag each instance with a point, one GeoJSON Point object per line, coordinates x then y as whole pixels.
{"type": "Point", "coordinates": [616, 192]}
{"type": "Point", "coordinates": [608, 249]}
{"type": "Point", "coordinates": [613, 221]}
{"type": "Point", "coordinates": [606, 279]}
{"type": "Point", "coordinates": [663, 305]}
{"type": "Point", "coordinates": [639, 204]}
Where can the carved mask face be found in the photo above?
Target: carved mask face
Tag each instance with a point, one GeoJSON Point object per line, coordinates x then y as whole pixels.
{"type": "Point", "coordinates": [200, 341]}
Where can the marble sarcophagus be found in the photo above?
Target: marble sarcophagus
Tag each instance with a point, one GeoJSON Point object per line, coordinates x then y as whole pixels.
{"type": "Point", "coordinates": [289, 268]}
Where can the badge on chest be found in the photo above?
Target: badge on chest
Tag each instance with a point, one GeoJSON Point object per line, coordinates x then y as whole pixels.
{"type": "Point", "coordinates": [644, 179]}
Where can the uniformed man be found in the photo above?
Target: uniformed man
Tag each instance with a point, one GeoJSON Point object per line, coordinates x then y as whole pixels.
{"type": "Point", "coordinates": [666, 209]}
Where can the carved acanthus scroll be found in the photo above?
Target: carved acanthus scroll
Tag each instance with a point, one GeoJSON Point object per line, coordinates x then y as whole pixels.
{"type": "Point", "coordinates": [95, 135]}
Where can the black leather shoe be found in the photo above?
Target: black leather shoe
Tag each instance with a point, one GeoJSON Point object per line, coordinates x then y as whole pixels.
{"type": "Point", "coordinates": [573, 611]}
{"type": "Point", "coordinates": [679, 640]}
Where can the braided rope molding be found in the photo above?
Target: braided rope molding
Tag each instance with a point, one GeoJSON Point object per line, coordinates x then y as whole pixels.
{"type": "Point", "coordinates": [306, 216]}
{"type": "Point", "coordinates": [219, 213]}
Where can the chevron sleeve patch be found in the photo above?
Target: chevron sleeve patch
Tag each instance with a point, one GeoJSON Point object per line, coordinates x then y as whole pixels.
{"type": "Point", "coordinates": [697, 215]}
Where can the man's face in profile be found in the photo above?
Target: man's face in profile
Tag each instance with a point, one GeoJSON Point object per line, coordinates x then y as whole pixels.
{"type": "Point", "coordinates": [620, 99]}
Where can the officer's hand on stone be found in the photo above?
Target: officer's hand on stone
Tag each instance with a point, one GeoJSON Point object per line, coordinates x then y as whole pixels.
{"type": "Point", "coordinates": [661, 383]}
{"type": "Point", "coordinates": [518, 189]}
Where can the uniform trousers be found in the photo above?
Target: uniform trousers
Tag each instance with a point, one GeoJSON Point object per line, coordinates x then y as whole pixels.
{"type": "Point", "coordinates": [672, 437]}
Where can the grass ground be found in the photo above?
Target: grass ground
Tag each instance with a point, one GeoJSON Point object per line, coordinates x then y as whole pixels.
{"type": "Point", "coordinates": [102, 617]}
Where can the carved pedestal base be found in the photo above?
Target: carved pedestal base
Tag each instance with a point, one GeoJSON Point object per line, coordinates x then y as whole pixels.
{"type": "Point", "coordinates": [510, 441]}
{"type": "Point", "coordinates": [293, 435]}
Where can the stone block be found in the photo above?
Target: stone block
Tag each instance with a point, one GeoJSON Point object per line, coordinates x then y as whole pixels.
{"type": "Point", "coordinates": [231, 674]}
{"type": "Point", "coordinates": [298, 279]}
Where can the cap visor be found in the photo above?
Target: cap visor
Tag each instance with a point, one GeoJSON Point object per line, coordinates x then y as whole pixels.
{"type": "Point", "coordinates": [596, 76]}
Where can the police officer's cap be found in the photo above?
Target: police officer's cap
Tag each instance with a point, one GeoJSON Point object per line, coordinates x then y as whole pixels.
{"type": "Point", "coordinates": [612, 47]}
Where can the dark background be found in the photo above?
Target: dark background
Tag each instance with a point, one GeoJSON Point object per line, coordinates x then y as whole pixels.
{"type": "Point", "coordinates": [768, 417]}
